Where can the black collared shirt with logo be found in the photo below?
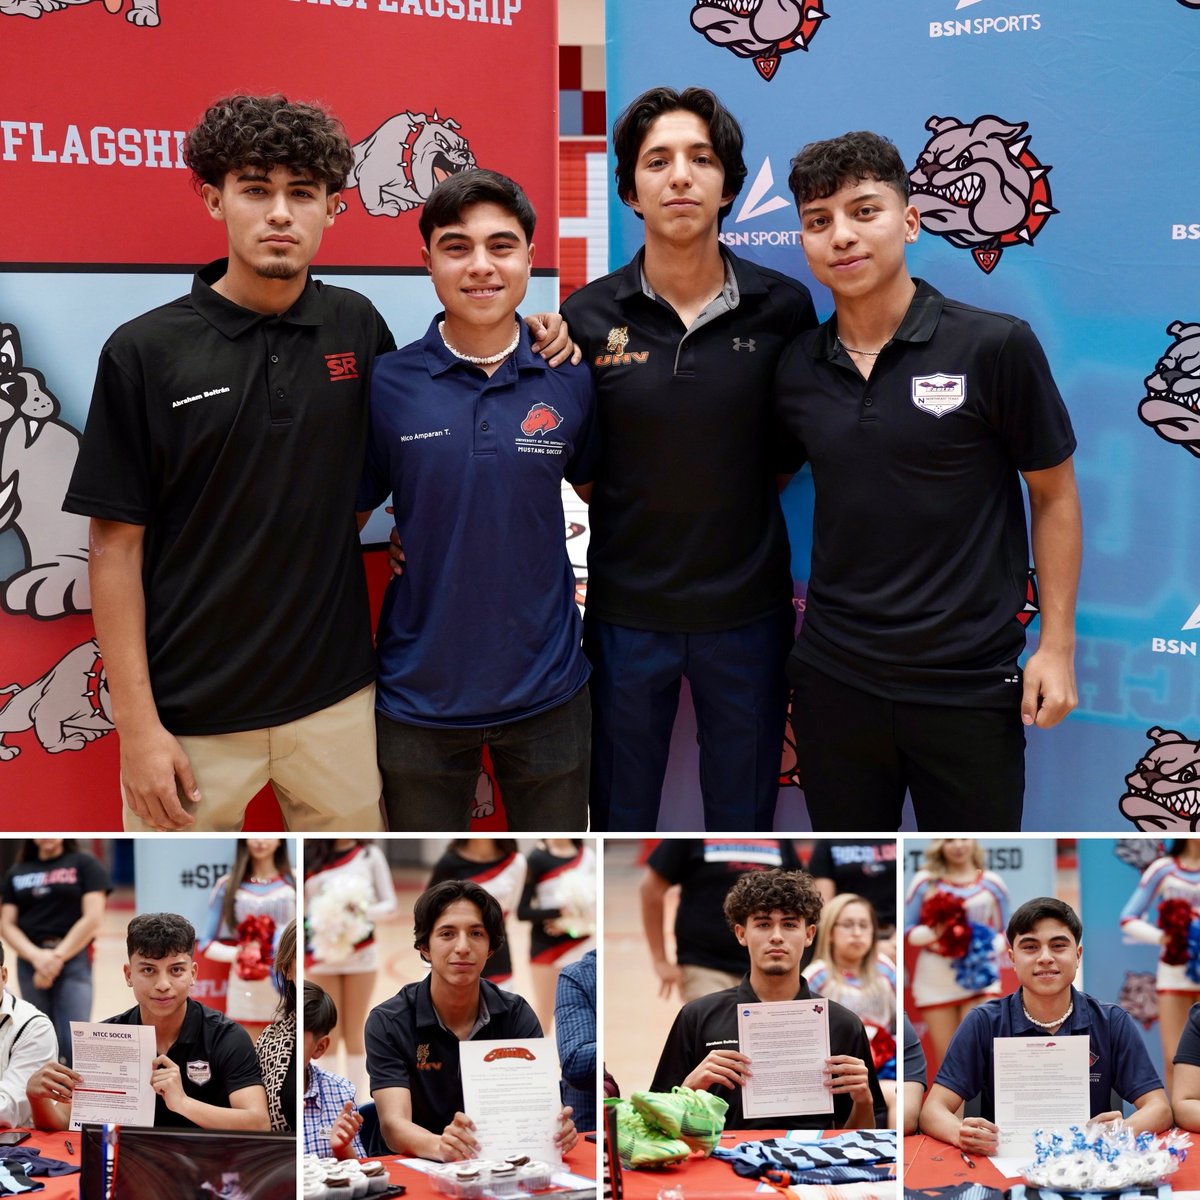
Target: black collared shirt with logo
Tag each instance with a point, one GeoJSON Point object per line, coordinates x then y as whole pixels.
{"type": "Point", "coordinates": [686, 530]}
{"type": "Point", "coordinates": [237, 440]}
{"type": "Point", "coordinates": [710, 1023]}
{"type": "Point", "coordinates": [920, 549]}
{"type": "Point", "coordinates": [215, 1057]}
{"type": "Point", "coordinates": [408, 1047]}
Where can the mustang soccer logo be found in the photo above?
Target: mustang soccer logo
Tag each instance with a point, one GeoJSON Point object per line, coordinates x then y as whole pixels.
{"type": "Point", "coordinates": [762, 30]}
{"type": "Point", "coordinates": [980, 188]}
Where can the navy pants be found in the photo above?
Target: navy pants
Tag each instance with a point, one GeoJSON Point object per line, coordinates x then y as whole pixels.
{"type": "Point", "coordinates": [739, 691]}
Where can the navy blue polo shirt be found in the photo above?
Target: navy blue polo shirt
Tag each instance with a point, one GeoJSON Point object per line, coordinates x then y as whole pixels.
{"type": "Point", "coordinates": [408, 1047]}
{"type": "Point", "coordinates": [687, 535]}
{"type": "Point", "coordinates": [482, 627]}
{"type": "Point", "coordinates": [215, 1057]}
{"type": "Point", "coordinates": [1120, 1061]}
{"type": "Point", "coordinates": [236, 439]}
{"type": "Point", "coordinates": [1188, 1050]}
{"type": "Point", "coordinates": [920, 551]}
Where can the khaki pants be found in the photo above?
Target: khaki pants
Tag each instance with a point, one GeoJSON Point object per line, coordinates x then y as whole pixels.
{"type": "Point", "coordinates": [322, 767]}
{"type": "Point", "coordinates": [702, 981]}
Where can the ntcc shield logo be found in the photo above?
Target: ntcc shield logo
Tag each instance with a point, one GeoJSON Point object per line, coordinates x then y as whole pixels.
{"type": "Point", "coordinates": [199, 1072]}
{"type": "Point", "coordinates": [939, 394]}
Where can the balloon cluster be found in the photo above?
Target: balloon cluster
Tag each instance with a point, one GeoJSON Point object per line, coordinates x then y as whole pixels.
{"type": "Point", "coordinates": [1104, 1155]}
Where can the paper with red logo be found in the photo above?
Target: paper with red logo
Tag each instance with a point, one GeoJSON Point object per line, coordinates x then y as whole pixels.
{"type": "Point", "coordinates": [510, 1091]}
{"type": "Point", "coordinates": [116, 1063]}
{"type": "Point", "coordinates": [787, 1043]}
{"type": "Point", "coordinates": [1040, 1083]}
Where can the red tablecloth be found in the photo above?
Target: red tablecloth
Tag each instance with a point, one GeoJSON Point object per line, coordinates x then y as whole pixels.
{"type": "Point", "coordinates": [706, 1178]}
{"type": "Point", "coordinates": [54, 1145]}
{"type": "Point", "coordinates": [581, 1161]}
{"type": "Point", "coordinates": [930, 1163]}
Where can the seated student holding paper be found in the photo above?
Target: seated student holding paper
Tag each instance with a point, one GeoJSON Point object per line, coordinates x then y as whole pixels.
{"type": "Point", "coordinates": [774, 915]}
{"type": "Point", "coordinates": [205, 1074]}
{"type": "Point", "coordinates": [412, 1039]}
{"type": "Point", "coordinates": [1045, 942]}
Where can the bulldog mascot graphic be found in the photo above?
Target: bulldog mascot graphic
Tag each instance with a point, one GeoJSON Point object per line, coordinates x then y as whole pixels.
{"type": "Point", "coordinates": [397, 166]}
{"type": "Point", "coordinates": [1163, 791]}
{"type": "Point", "coordinates": [763, 30]}
{"type": "Point", "coordinates": [1172, 404]}
{"type": "Point", "coordinates": [979, 187]}
{"type": "Point", "coordinates": [141, 12]}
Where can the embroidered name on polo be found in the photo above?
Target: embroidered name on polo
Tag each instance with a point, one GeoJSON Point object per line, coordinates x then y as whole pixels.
{"type": "Point", "coordinates": [342, 366]}
{"type": "Point", "coordinates": [220, 391]}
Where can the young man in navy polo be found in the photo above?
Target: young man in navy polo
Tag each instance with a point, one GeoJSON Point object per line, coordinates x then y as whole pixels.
{"type": "Point", "coordinates": [689, 572]}
{"type": "Point", "coordinates": [1045, 940]}
{"type": "Point", "coordinates": [774, 914]}
{"type": "Point", "coordinates": [206, 1073]}
{"type": "Point", "coordinates": [920, 417]}
{"type": "Point", "coordinates": [473, 434]}
{"type": "Point", "coordinates": [412, 1039]}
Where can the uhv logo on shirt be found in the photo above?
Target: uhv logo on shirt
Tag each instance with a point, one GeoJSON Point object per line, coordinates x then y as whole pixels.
{"type": "Point", "coordinates": [939, 394]}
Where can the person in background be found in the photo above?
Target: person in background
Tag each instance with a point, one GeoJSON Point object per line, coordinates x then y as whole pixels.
{"type": "Point", "coordinates": [915, 1078]}
{"type": "Point", "coordinates": [54, 899]}
{"type": "Point", "coordinates": [708, 957]}
{"type": "Point", "coordinates": [866, 867]}
{"type": "Point", "coordinates": [575, 1033]}
{"type": "Point", "coordinates": [331, 1118]}
{"type": "Point", "coordinates": [1160, 912]}
{"type": "Point", "coordinates": [848, 967]}
{"type": "Point", "coordinates": [247, 912]}
{"type": "Point", "coordinates": [276, 1046]}
{"type": "Point", "coordinates": [559, 901]}
{"type": "Point", "coordinates": [348, 889]}
{"type": "Point", "coordinates": [954, 915]}
{"type": "Point", "coordinates": [499, 868]}
{"type": "Point", "coordinates": [27, 1043]}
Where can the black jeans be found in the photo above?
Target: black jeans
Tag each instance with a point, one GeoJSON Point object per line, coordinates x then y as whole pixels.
{"type": "Point", "coordinates": [541, 763]}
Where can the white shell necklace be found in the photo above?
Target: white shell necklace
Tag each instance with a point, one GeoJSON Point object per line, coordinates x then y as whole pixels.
{"type": "Point", "coordinates": [478, 360]}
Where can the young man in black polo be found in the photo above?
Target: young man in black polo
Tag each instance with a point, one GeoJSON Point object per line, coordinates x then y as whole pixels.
{"type": "Point", "coordinates": [920, 417]}
{"type": "Point", "coordinates": [412, 1039]}
{"type": "Point", "coordinates": [774, 914]}
{"type": "Point", "coordinates": [206, 1073]}
{"type": "Point", "coordinates": [1045, 940]}
{"type": "Point", "coordinates": [689, 572]}
{"type": "Point", "coordinates": [219, 466]}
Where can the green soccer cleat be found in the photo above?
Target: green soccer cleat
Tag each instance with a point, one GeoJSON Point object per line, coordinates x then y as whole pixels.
{"type": "Point", "coordinates": [642, 1144]}
{"type": "Point", "coordinates": [696, 1117]}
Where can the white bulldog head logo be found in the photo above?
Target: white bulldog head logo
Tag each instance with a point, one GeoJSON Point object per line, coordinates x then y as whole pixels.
{"type": "Point", "coordinates": [763, 30]}
{"type": "Point", "coordinates": [1172, 404]}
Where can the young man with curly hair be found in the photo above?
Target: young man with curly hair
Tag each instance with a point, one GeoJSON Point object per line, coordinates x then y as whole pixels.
{"type": "Point", "coordinates": [774, 914]}
{"type": "Point", "coordinates": [219, 467]}
{"type": "Point", "coordinates": [205, 1075]}
{"type": "Point", "coordinates": [412, 1039]}
{"type": "Point", "coordinates": [920, 417]}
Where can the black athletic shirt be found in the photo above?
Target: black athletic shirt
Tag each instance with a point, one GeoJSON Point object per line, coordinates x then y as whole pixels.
{"type": "Point", "coordinates": [237, 440]}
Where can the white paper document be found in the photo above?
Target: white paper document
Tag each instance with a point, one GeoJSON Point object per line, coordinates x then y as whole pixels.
{"type": "Point", "coordinates": [116, 1062]}
{"type": "Point", "coordinates": [787, 1042]}
{"type": "Point", "coordinates": [510, 1091]}
{"type": "Point", "coordinates": [1041, 1083]}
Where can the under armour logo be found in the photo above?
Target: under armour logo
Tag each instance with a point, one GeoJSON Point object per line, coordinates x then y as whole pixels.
{"type": "Point", "coordinates": [748, 344]}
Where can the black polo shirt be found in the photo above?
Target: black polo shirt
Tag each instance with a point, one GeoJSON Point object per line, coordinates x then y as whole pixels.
{"type": "Point", "coordinates": [686, 530]}
{"type": "Point", "coordinates": [215, 1057]}
{"type": "Point", "coordinates": [710, 1023]}
{"type": "Point", "coordinates": [920, 549]}
{"type": "Point", "coordinates": [237, 440]}
{"type": "Point", "coordinates": [408, 1047]}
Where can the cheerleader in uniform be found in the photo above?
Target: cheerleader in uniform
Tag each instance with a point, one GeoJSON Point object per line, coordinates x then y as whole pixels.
{"type": "Point", "coordinates": [955, 915]}
{"type": "Point", "coordinates": [247, 912]}
{"type": "Point", "coordinates": [1160, 913]}
{"type": "Point", "coordinates": [560, 901]}
{"type": "Point", "coordinates": [848, 967]}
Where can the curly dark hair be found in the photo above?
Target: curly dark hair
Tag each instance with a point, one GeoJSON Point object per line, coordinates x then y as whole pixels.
{"type": "Point", "coordinates": [267, 132]}
{"type": "Point", "coordinates": [822, 168]}
{"type": "Point", "coordinates": [159, 935]}
{"type": "Point", "coordinates": [762, 891]}
{"type": "Point", "coordinates": [434, 901]}
{"type": "Point", "coordinates": [724, 132]}
{"type": "Point", "coordinates": [456, 193]}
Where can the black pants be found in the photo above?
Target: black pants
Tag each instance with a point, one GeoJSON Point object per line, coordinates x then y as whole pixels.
{"type": "Point", "coordinates": [858, 754]}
